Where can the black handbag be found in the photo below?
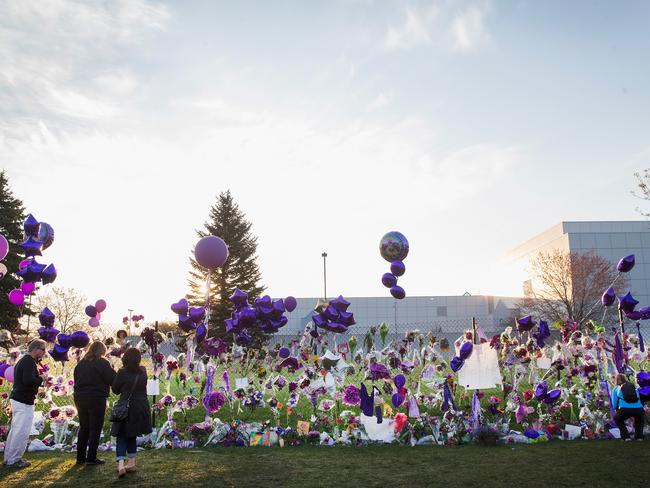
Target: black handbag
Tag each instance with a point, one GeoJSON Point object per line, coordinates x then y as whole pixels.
{"type": "Point", "coordinates": [120, 410]}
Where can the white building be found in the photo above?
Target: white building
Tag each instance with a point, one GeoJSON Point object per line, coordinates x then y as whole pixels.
{"type": "Point", "coordinates": [610, 239]}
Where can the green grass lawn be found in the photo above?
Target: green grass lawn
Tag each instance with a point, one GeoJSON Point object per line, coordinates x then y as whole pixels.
{"type": "Point", "coordinates": [577, 463]}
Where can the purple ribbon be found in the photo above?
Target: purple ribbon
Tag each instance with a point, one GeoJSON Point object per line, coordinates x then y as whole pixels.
{"type": "Point", "coordinates": [226, 380]}
{"type": "Point", "coordinates": [641, 343]}
{"type": "Point", "coordinates": [618, 353]}
{"type": "Point", "coordinates": [604, 384]}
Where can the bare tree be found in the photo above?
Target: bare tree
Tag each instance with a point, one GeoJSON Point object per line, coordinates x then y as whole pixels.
{"type": "Point", "coordinates": [568, 286]}
{"type": "Point", "coordinates": [68, 305]}
{"type": "Point", "coordinates": [643, 191]}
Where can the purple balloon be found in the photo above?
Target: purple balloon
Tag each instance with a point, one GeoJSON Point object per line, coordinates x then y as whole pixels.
{"type": "Point", "coordinates": [609, 297]}
{"type": "Point", "coordinates": [48, 334]}
{"type": "Point", "coordinates": [466, 350]}
{"type": "Point", "coordinates": [397, 399]}
{"type": "Point", "coordinates": [398, 292]}
{"type": "Point", "coordinates": [32, 272]}
{"type": "Point", "coordinates": [31, 226]}
{"type": "Point", "coordinates": [541, 390]}
{"type": "Point", "coordinates": [197, 314]}
{"type": "Point", "coordinates": [180, 307]}
{"type": "Point", "coordinates": [4, 247]}
{"type": "Point", "coordinates": [388, 280]}
{"type": "Point", "coordinates": [59, 353]}
{"type": "Point", "coordinates": [91, 311]}
{"type": "Point", "coordinates": [284, 352]}
{"type": "Point", "coordinates": [16, 297]}
{"type": "Point", "coordinates": [397, 268]}
{"type": "Point", "coordinates": [399, 380]}
{"type": "Point", "coordinates": [525, 324]}
{"type": "Point", "coordinates": [643, 378]}
{"type": "Point", "coordinates": [79, 339]}
{"type": "Point", "coordinates": [347, 318]}
{"type": "Point", "coordinates": [31, 247]}
{"type": "Point", "coordinates": [635, 315]}
{"type": "Point", "coordinates": [185, 323]}
{"type": "Point", "coordinates": [456, 363]}
{"type": "Point", "coordinates": [201, 332]}
{"type": "Point", "coordinates": [340, 303]}
{"type": "Point", "coordinates": [242, 338]}
{"type": "Point", "coordinates": [211, 252]}
{"type": "Point", "coordinates": [27, 287]}
{"type": "Point", "coordinates": [290, 303]}
{"type": "Point", "coordinates": [626, 264]}
{"type": "Point", "coordinates": [3, 368]}
{"type": "Point", "coordinates": [64, 340]}
{"type": "Point", "coordinates": [239, 298]}
{"type": "Point", "coordinates": [627, 303]}
{"type": "Point", "coordinates": [46, 235]}
{"type": "Point", "coordinates": [552, 397]}
{"type": "Point", "coordinates": [49, 274]}
{"type": "Point", "coordinates": [46, 317]}
{"type": "Point", "coordinates": [93, 322]}
{"type": "Point", "coordinates": [394, 246]}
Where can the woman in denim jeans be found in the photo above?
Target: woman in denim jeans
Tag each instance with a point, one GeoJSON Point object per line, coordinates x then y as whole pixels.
{"type": "Point", "coordinates": [131, 378]}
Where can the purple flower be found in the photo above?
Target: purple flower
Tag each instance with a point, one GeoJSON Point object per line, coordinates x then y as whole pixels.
{"type": "Point", "coordinates": [351, 395]}
{"type": "Point", "coordinates": [213, 401]}
{"type": "Point", "coordinates": [378, 372]}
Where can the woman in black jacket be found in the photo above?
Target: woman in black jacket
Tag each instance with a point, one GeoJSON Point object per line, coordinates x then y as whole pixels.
{"type": "Point", "coordinates": [131, 384]}
{"type": "Point", "coordinates": [93, 376]}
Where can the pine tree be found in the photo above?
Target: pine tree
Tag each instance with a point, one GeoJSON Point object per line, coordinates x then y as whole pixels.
{"type": "Point", "coordinates": [12, 215]}
{"type": "Point", "coordinates": [241, 270]}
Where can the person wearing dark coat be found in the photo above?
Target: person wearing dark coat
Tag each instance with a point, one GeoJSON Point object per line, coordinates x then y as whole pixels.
{"type": "Point", "coordinates": [131, 384]}
{"type": "Point", "coordinates": [93, 377]}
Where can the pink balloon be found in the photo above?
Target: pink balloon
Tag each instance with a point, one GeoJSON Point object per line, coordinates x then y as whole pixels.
{"type": "Point", "coordinates": [23, 264]}
{"type": "Point", "coordinates": [100, 305]}
{"type": "Point", "coordinates": [9, 374]}
{"type": "Point", "coordinates": [28, 288]}
{"type": "Point", "coordinates": [16, 297]}
{"type": "Point", "coordinates": [4, 247]}
{"type": "Point", "coordinates": [93, 322]}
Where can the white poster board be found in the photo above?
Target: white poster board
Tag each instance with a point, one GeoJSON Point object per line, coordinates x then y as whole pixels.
{"type": "Point", "coordinates": [153, 387]}
{"type": "Point", "coordinates": [481, 369]}
{"type": "Point", "coordinates": [241, 383]}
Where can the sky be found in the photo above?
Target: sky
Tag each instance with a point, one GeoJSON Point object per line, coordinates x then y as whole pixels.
{"type": "Point", "coordinates": [469, 126]}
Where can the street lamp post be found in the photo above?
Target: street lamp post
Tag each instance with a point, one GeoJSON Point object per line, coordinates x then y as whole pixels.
{"type": "Point", "coordinates": [324, 255]}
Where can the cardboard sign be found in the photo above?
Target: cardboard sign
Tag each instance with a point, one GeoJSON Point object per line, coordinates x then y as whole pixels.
{"type": "Point", "coordinates": [241, 383]}
{"type": "Point", "coordinates": [544, 363]}
{"type": "Point", "coordinates": [481, 369]}
{"type": "Point", "coordinates": [302, 427]}
{"type": "Point", "coordinates": [153, 387]}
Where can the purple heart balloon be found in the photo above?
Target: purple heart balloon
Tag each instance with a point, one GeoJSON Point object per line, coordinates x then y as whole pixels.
{"type": "Point", "coordinates": [185, 323]}
{"type": "Point", "coordinates": [64, 340]}
{"type": "Point", "coordinates": [201, 332]}
{"type": "Point", "coordinates": [197, 314]}
{"type": "Point", "coordinates": [180, 307]}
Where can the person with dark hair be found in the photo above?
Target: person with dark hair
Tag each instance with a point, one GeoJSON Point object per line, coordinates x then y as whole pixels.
{"type": "Point", "coordinates": [26, 384]}
{"type": "Point", "coordinates": [626, 402]}
{"type": "Point", "coordinates": [131, 384]}
{"type": "Point", "coordinates": [93, 377]}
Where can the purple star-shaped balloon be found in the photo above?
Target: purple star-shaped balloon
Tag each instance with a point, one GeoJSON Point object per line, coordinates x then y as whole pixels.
{"type": "Point", "coordinates": [627, 303]}
{"type": "Point", "coordinates": [33, 272]}
{"type": "Point", "coordinates": [48, 334]}
{"type": "Point", "coordinates": [59, 353]}
{"type": "Point", "coordinates": [49, 274]}
{"type": "Point", "coordinates": [239, 298]}
{"type": "Point", "coordinates": [340, 303]}
{"type": "Point", "coordinates": [525, 324]}
{"type": "Point", "coordinates": [31, 246]}
{"type": "Point", "coordinates": [31, 226]}
{"type": "Point", "coordinates": [46, 317]}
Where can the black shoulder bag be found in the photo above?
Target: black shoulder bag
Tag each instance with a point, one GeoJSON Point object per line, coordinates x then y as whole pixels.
{"type": "Point", "coordinates": [120, 411]}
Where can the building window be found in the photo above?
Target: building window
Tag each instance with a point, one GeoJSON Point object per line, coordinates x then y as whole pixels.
{"type": "Point", "coordinates": [441, 311]}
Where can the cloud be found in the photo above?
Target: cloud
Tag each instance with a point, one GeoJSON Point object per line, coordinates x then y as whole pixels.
{"type": "Point", "coordinates": [453, 26]}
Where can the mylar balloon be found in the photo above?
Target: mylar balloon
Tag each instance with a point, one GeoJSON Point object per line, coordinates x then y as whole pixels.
{"type": "Point", "coordinates": [79, 339]}
{"type": "Point", "coordinates": [59, 352]}
{"type": "Point", "coordinates": [48, 334]}
{"type": "Point", "coordinates": [46, 235]}
{"type": "Point", "coordinates": [31, 226]}
{"type": "Point", "coordinates": [627, 303]}
{"type": "Point", "coordinates": [388, 280]}
{"type": "Point", "coordinates": [398, 292]}
{"type": "Point", "coordinates": [466, 350]}
{"type": "Point", "coordinates": [211, 252]}
{"type": "Point", "coordinates": [290, 303]}
{"type": "Point", "coordinates": [4, 247]}
{"type": "Point", "coordinates": [64, 340]}
{"type": "Point", "coordinates": [197, 314]}
{"type": "Point", "coordinates": [49, 274]}
{"type": "Point", "coordinates": [46, 317]}
{"type": "Point", "coordinates": [397, 268]}
{"type": "Point", "coordinates": [609, 297]}
{"type": "Point", "coordinates": [201, 332]}
{"type": "Point", "coordinates": [394, 247]}
{"type": "Point", "coordinates": [180, 307]}
{"type": "Point", "coordinates": [284, 352]}
{"type": "Point", "coordinates": [16, 297]}
{"type": "Point", "coordinates": [399, 380]}
{"type": "Point", "coordinates": [31, 247]}
{"type": "Point", "coordinates": [32, 272]}
{"type": "Point", "coordinates": [397, 400]}
{"type": "Point", "coordinates": [626, 264]}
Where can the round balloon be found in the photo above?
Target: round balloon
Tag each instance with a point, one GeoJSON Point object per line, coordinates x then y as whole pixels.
{"type": "Point", "coordinates": [91, 311]}
{"type": "Point", "coordinates": [4, 247]}
{"type": "Point", "coordinates": [397, 292]}
{"type": "Point", "coordinates": [27, 287]}
{"type": "Point", "coordinates": [397, 400]}
{"type": "Point", "coordinates": [100, 305]}
{"type": "Point", "coordinates": [23, 264]}
{"type": "Point", "coordinates": [284, 352]}
{"type": "Point", "coordinates": [394, 247]}
{"type": "Point", "coordinates": [9, 374]}
{"type": "Point", "coordinates": [397, 268]}
{"type": "Point", "coordinates": [399, 380]}
{"type": "Point", "coordinates": [290, 303]}
{"type": "Point", "coordinates": [211, 252]}
{"type": "Point", "coordinates": [93, 322]}
{"type": "Point", "coordinates": [16, 297]}
{"type": "Point", "coordinates": [388, 280]}
{"type": "Point", "coordinates": [3, 271]}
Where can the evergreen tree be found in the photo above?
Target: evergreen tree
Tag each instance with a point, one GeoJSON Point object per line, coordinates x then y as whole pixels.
{"type": "Point", "coordinates": [12, 216]}
{"type": "Point", "coordinates": [241, 271]}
